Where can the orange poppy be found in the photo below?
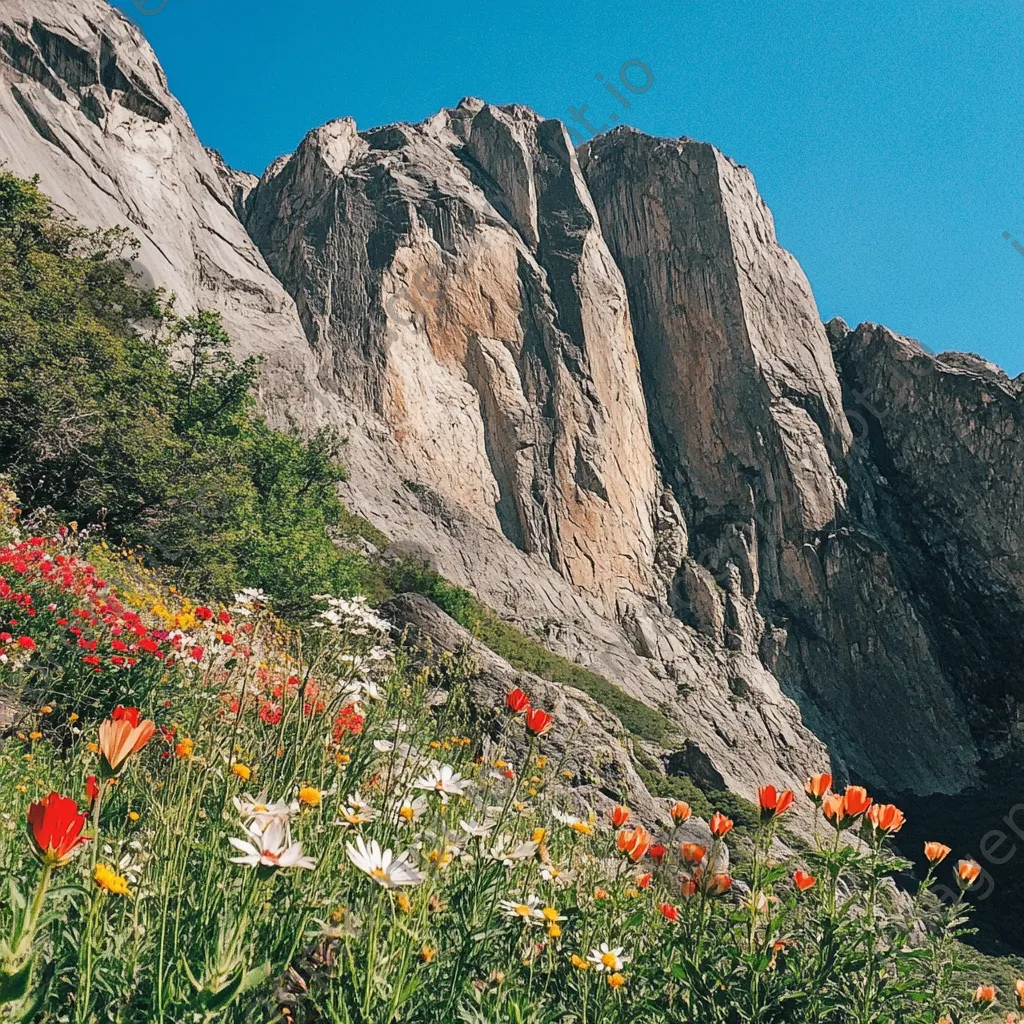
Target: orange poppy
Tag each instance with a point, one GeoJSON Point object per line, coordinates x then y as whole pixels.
{"type": "Point", "coordinates": [886, 818]}
{"type": "Point", "coordinates": [619, 815]}
{"type": "Point", "coordinates": [936, 852]}
{"type": "Point", "coordinates": [817, 786]}
{"type": "Point", "coordinates": [693, 853]}
{"type": "Point", "coordinates": [123, 735]}
{"type": "Point", "coordinates": [679, 812]}
{"type": "Point", "coordinates": [720, 824]}
{"type": "Point", "coordinates": [634, 842]}
{"type": "Point", "coordinates": [967, 872]}
{"type": "Point", "coordinates": [773, 803]}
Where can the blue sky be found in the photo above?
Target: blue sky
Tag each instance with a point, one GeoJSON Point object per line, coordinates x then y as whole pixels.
{"type": "Point", "coordinates": [886, 138]}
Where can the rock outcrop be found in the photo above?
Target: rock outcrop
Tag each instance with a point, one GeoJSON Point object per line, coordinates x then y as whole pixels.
{"type": "Point", "coordinates": [591, 386]}
{"type": "Point", "coordinates": [85, 105]}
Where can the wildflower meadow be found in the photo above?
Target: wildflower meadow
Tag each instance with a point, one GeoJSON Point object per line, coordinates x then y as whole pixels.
{"type": "Point", "coordinates": [207, 815]}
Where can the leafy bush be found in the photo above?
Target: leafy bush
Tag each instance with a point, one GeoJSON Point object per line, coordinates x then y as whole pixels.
{"type": "Point", "coordinates": [117, 412]}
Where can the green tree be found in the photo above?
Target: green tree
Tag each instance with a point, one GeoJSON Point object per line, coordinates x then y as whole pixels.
{"type": "Point", "coordinates": [118, 413]}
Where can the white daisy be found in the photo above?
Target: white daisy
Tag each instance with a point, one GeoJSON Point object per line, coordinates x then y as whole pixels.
{"type": "Point", "coordinates": [445, 781]}
{"type": "Point", "coordinates": [510, 855]}
{"type": "Point", "coordinates": [270, 846]}
{"type": "Point", "coordinates": [585, 827]}
{"type": "Point", "coordinates": [411, 808]}
{"type": "Point", "coordinates": [263, 811]}
{"type": "Point", "coordinates": [381, 865]}
{"type": "Point", "coordinates": [529, 911]}
{"type": "Point", "coordinates": [356, 811]}
{"type": "Point", "coordinates": [478, 830]}
{"type": "Point", "coordinates": [605, 959]}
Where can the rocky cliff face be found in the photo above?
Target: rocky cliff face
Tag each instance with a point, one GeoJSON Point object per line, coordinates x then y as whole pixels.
{"type": "Point", "coordinates": [591, 386]}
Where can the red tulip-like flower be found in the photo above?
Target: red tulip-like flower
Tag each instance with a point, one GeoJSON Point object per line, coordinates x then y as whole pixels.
{"type": "Point", "coordinates": [720, 824]}
{"type": "Point", "coordinates": [538, 721]}
{"type": "Point", "coordinates": [668, 912]}
{"type": "Point", "coordinates": [517, 702]}
{"type": "Point", "coordinates": [644, 881]}
{"type": "Point", "coordinates": [843, 811]}
{"type": "Point", "coordinates": [985, 994]}
{"type": "Point", "coordinates": [803, 881]}
{"type": "Point", "coordinates": [658, 852]}
{"type": "Point", "coordinates": [92, 789]}
{"type": "Point", "coordinates": [123, 714]}
{"type": "Point", "coordinates": [773, 803]}
{"type": "Point", "coordinates": [619, 815]}
{"type": "Point", "coordinates": [55, 827]}
{"type": "Point", "coordinates": [634, 842]}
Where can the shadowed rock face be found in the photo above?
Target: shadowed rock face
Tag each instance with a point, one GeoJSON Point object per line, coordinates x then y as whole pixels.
{"type": "Point", "coordinates": [591, 386]}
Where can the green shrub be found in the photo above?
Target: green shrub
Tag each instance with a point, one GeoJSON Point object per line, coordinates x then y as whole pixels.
{"type": "Point", "coordinates": [117, 413]}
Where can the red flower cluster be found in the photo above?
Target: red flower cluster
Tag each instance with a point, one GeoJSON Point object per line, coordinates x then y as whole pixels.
{"type": "Point", "coordinates": [537, 721]}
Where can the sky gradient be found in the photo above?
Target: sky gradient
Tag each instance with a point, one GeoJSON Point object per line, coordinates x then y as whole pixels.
{"type": "Point", "coordinates": [887, 142]}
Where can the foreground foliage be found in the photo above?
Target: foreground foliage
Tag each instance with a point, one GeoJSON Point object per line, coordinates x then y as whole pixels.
{"type": "Point", "coordinates": [233, 821]}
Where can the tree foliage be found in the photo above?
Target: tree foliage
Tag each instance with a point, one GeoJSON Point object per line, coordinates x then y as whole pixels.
{"type": "Point", "coordinates": [119, 413]}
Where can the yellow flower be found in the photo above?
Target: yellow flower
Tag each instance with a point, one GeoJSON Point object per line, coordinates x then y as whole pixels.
{"type": "Point", "coordinates": [133, 815]}
{"type": "Point", "coordinates": [342, 758]}
{"type": "Point", "coordinates": [427, 953]}
{"type": "Point", "coordinates": [46, 710]}
{"type": "Point", "coordinates": [93, 748]}
{"type": "Point", "coordinates": [73, 717]}
{"type": "Point", "coordinates": [35, 735]}
{"type": "Point", "coordinates": [107, 878]}
{"type": "Point", "coordinates": [404, 903]}
{"type": "Point", "coordinates": [541, 761]}
{"type": "Point", "coordinates": [310, 796]}
{"type": "Point", "coordinates": [184, 749]}
{"type": "Point", "coordinates": [616, 980]}
{"type": "Point", "coordinates": [539, 835]}
{"type": "Point", "coordinates": [554, 931]}
{"type": "Point", "coordinates": [242, 771]}
{"type": "Point", "coordinates": [578, 961]}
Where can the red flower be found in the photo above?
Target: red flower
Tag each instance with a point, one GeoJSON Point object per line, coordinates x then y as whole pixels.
{"type": "Point", "coordinates": [803, 881]}
{"type": "Point", "coordinates": [720, 824]}
{"type": "Point", "coordinates": [203, 614]}
{"type": "Point", "coordinates": [668, 912]}
{"type": "Point", "coordinates": [538, 721]}
{"type": "Point", "coordinates": [658, 852]}
{"type": "Point", "coordinates": [644, 881]}
{"type": "Point", "coordinates": [196, 654]}
{"type": "Point", "coordinates": [772, 802]}
{"type": "Point", "coordinates": [26, 643]}
{"type": "Point", "coordinates": [55, 827]}
{"type": "Point", "coordinates": [619, 815]}
{"type": "Point", "coordinates": [886, 818]}
{"type": "Point", "coordinates": [224, 618]}
{"type": "Point", "coordinates": [123, 714]}
{"type": "Point", "coordinates": [517, 701]}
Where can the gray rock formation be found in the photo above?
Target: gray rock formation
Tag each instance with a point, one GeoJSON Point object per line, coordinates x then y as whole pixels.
{"type": "Point", "coordinates": [84, 104]}
{"type": "Point", "coordinates": [591, 386]}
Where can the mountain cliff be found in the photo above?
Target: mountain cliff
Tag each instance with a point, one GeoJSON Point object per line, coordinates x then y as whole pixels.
{"type": "Point", "coordinates": [591, 386]}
